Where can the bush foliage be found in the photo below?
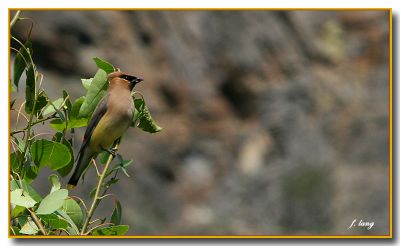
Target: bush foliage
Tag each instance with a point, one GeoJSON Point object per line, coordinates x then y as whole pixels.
{"type": "Point", "coordinates": [58, 213]}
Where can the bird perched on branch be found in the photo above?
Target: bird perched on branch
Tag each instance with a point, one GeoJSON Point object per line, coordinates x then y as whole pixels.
{"type": "Point", "coordinates": [111, 118]}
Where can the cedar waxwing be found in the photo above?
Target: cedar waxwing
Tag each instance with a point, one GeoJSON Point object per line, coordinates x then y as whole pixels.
{"type": "Point", "coordinates": [111, 118]}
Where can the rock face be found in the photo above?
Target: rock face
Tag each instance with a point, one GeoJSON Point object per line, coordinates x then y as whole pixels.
{"type": "Point", "coordinates": [274, 122]}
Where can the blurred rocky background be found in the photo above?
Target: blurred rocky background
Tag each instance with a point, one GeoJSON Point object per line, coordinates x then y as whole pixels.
{"type": "Point", "coordinates": [275, 122]}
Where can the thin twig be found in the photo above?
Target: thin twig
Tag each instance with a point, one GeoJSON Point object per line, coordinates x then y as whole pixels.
{"type": "Point", "coordinates": [40, 80]}
{"type": "Point", "coordinates": [42, 133]}
{"type": "Point", "coordinates": [17, 131]}
{"type": "Point", "coordinates": [24, 116]}
{"type": "Point", "coordinates": [37, 222]}
{"type": "Point", "coordinates": [62, 229]}
{"type": "Point", "coordinates": [108, 223]}
{"type": "Point", "coordinates": [19, 180]}
{"type": "Point", "coordinates": [12, 230]}
{"type": "Point", "coordinates": [94, 221]}
{"type": "Point", "coordinates": [81, 200]}
{"type": "Point", "coordinates": [13, 143]}
{"type": "Point", "coordinates": [19, 112]}
{"type": "Point", "coordinates": [107, 195]}
{"type": "Point", "coordinates": [95, 166]}
{"type": "Point", "coordinates": [15, 18]}
{"type": "Point", "coordinates": [26, 50]}
{"type": "Point", "coordinates": [96, 198]}
{"type": "Point", "coordinates": [32, 124]}
{"type": "Point", "coordinates": [28, 128]}
{"type": "Point", "coordinates": [20, 53]}
{"type": "Point", "coordinates": [33, 215]}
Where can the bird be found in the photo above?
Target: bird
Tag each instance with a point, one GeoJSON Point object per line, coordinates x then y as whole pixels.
{"type": "Point", "coordinates": [109, 121]}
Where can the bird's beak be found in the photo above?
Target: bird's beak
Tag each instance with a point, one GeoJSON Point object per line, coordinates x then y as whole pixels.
{"type": "Point", "coordinates": [137, 80]}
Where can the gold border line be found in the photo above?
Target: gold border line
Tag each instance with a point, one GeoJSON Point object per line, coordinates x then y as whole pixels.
{"type": "Point", "coordinates": [390, 125]}
{"type": "Point", "coordinates": [211, 9]}
{"type": "Point", "coordinates": [218, 237]}
{"type": "Point", "coordinates": [389, 236]}
{"type": "Point", "coordinates": [9, 122]}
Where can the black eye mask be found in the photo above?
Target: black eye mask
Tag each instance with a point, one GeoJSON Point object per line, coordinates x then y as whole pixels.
{"type": "Point", "coordinates": [131, 79]}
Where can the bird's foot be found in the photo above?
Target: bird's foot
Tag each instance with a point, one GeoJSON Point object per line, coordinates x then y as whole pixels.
{"type": "Point", "coordinates": [112, 151]}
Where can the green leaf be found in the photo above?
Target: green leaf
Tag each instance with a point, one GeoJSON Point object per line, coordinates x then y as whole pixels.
{"type": "Point", "coordinates": [59, 137]}
{"type": "Point", "coordinates": [73, 210]}
{"type": "Point", "coordinates": [18, 198]}
{"type": "Point", "coordinates": [102, 64]}
{"type": "Point", "coordinates": [92, 193]}
{"type": "Point", "coordinates": [21, 62]}
{"type": "Point", "coordinates": [19, 67]}
{"type": "Point", "coordinates": [52, 221]}
{"type": "Point", "coordinates": [67, 169]}
{"type": "Point", "coordinates": [12, 104]}
{"type": "Point", "coordinates": [20, 144]}
{"type": "Point", "coordinates": [55, 182]}
{"type": "Point", "coordinates": [117, 213]}
{"type": "Point", "coordinates": [86, 83]}
{"type": "Point", "coordinates": [31, 171]}
{"type": "Point", "coordinates": [30, 89]}
{"type": "Point", "coordinates": [14, 231]}
{"type": "Point", "coordinates": [67, 101]}
{"type": "Point", "coordinates": [76, 107]}
{"type": "Point", "coordinates": [146, 122]}
{"type": "Point", "coordinates": [53, 106]}
{"type": "Point", "coordinates": [103, 157]}
{"type": "Point", "coordinates": [14, 161]}
{"type": "Point", "coordinates": [110, 182]}
{"type": "Point", "coordinates": [29, 190]}
{"type": "Point", "coordinates": [57, 106]}
{"type": "Point", "coordinates": [41, 102]}
{"type": "Point", "coordinates": [52, 202]}
{"type": "Point", "coordinates": [29, 228]}
{"type": "Point", "coordinates": [111, 231]}
{"type": "Point", "coordinates": [58, 125]}
{"type": "Point", "coordinates": [76, 123]}
{"type": "Point", "coordinates": [74, 120]}
{"type": "Point", "coordinates": [12, 89]}
{"type": "Point", "coordinates": [73, 229]}
{"type": "Point", "coordinates": [21, 220]}
{"type": "Point", "coordinates": [14, 185]}
{"type": "Point", "coordinates": [135, 114]}
{"type": "Point", "coordinates": [17, 211]}
{"type": "Point", "coordinates": [96, 92]}
{"type": "Point", "coordinates": [125, 172]}
{"type": "Point", "coordinates": [49, 153]}
{"type": "Point", "coordinates": [122, 165]}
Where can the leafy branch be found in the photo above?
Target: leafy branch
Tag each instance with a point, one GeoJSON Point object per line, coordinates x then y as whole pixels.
{"type": "Point", "coordinates": [59, 213]}
{"type": "Point", "coordinates": [97, 198]}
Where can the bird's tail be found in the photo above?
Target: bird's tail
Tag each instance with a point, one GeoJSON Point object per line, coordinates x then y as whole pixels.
{"type": "Point", "coordinates": [83, 162]}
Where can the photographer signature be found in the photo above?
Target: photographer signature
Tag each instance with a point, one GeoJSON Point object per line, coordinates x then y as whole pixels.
{"type": "Point", "coordinates": [361, 223]}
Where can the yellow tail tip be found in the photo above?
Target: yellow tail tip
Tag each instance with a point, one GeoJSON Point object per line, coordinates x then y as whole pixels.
{"type": "Point", "coordinates": [71, 186]}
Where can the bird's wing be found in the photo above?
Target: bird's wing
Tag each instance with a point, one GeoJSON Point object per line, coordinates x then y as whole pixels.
{"type": "Point", "coordinates": [98, 113]}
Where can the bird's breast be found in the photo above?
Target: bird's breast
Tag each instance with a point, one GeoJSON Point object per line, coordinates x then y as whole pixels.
{"type": "Point", "coordinates": [113, 124]}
